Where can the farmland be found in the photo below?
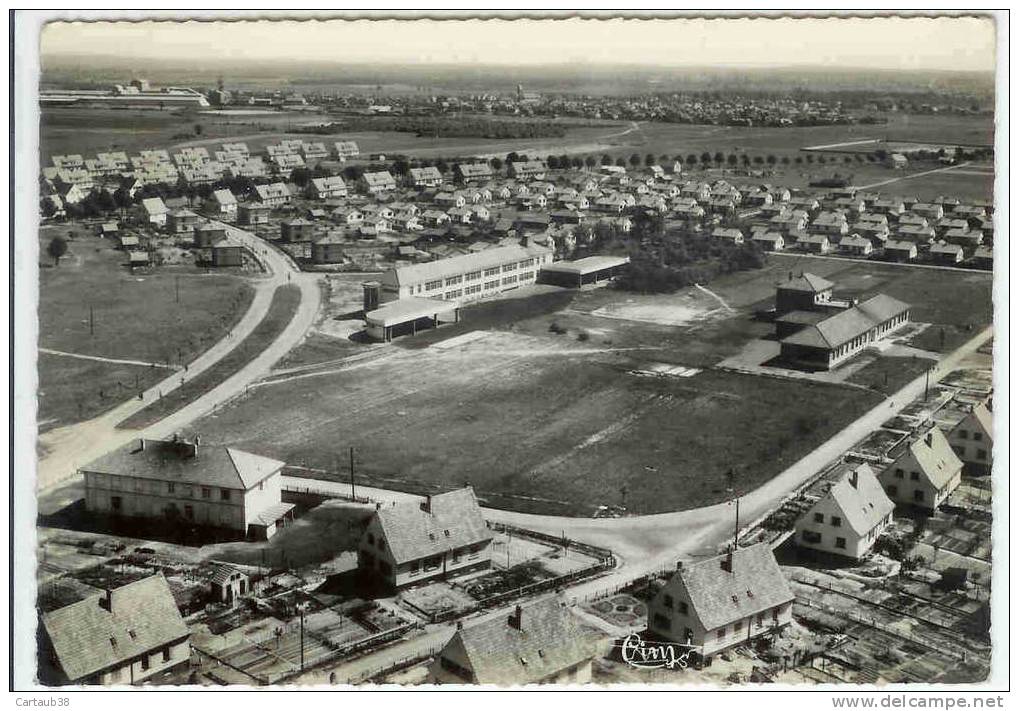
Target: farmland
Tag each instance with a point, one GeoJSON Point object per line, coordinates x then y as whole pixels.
{"type": "Point", "coordinates": [135, 317]}
{"type": "Point", "coordinates": [564, 422]}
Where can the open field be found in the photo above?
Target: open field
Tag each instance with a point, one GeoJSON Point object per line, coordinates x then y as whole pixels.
{"type": "Point", "coordinates": [136, 318]}
{"type": "Point", "coordinates": [284, 305]}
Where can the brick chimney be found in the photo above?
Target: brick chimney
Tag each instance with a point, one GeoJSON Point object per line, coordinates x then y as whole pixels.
{"type": "Point", "coordinates": [426, 505]}
{"type": "Point", "coordinates": [726, 562]}
{"type": "Point", "coordinates": [106, 600]}
{"type": "Point", "coordinates": [679, 565]}
{"type": "Point", "coordinates": [854, 479]}
{"type": "Point", "coordinates": [929, 438]}
{"type": "Point", "coordinates": [516, 618]}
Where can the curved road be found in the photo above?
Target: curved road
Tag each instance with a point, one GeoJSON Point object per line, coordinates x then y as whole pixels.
{"type": "Point", "coordinates": [66, 448]}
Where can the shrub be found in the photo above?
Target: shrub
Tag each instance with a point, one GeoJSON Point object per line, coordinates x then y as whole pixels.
{"type": "Point", "coordinates": [556, 328]}
{"type": "Point", "coordinates": [583, 336]}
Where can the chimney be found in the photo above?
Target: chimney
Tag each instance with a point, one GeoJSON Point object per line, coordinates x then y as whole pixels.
{"type": "Point", "coordinates": [726, 563]}
{"type": "Point", "coordinates": [516, 618]}
{"type": "Point", "coordinates": [854, 479]}
{"type": "Point", "coordinates": [929, 438]}
{"type": "Point", "coordinates": [427, 505]}
{"type": "Point", "coordinates": [459, 624]}
{"type": "Point", "coordinates": [106, 601]}
{"type": "Point", "coordinates": [141, 444]}
{"type": "Point", "coordinates": [679, 565]}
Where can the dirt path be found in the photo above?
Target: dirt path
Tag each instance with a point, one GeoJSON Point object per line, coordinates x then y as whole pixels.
{"type": "Point", "coordinates": [68, 448]}
{"type": "Point", "coordinates": [715, 296]}
{"type": "Point", "coordinates": [146, 364]}
{"type": "Point", "coordinates": [913, 175]}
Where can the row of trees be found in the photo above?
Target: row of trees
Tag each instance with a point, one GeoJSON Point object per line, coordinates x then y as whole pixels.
{"type": "Point", "coordinates": [452, 127]}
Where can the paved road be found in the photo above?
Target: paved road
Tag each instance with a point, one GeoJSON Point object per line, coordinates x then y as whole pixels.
{"type": "Point", "coordinates": [64, 449]}
{"type": "Point", "coordinates": [910, 176]}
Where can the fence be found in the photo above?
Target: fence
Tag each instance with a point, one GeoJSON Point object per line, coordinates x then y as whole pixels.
{"type": "Point", "coordinates": [377, 674]}
{"type": "Point", "coordinates": [326, 494]}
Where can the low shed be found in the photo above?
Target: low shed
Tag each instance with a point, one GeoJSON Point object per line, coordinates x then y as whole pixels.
{"type": "Point", "coordinates": [408, 316]}
{"type": "Point", "coordinates": [577, 273]}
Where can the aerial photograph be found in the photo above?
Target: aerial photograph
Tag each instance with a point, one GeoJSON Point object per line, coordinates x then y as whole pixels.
{"type": "Point", "coordinates": [594, 352]}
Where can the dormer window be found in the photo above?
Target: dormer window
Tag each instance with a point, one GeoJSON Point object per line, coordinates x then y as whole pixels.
{"type": "Point", "coordinates": [446, 533]}
{"type": "Point", "coordinates": [735, 599]}
{"type": "Point", "coordinates": [132, 634]}
{"type": "Point", "coordinates": [750, 593]}
{"type": "Point", "coordinates": [113, 642]}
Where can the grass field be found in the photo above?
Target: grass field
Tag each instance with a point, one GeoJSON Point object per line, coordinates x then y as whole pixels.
{"type": "Point", "coordinates": [284, 305]}
{"type": "Point", "coordinates": [136, 317]}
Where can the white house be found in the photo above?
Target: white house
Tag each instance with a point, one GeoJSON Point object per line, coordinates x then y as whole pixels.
{"type": "Point", "coordinates": [723, 601]}
{"type": "Point", "coordinates": [848, 519]}
{"type": "Point", "coordinates": [972, 440]}
{"type": "Point", "coordinates": [152, 211]}
{"type": "Point", "coordinates": [328, 187]}
{"type": "Point", "coordinates": [925, 472]}
{"type": "Point", "coordinates": [222, 204]}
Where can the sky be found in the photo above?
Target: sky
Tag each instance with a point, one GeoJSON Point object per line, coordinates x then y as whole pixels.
{"type": "Point", "coordinates": [873, 43]}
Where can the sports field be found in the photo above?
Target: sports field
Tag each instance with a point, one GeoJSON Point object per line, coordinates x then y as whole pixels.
{"type": "Point", "coordinates": [564, 423]}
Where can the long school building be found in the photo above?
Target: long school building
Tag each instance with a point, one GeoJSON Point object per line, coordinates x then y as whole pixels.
{"type": "Point", "coordinates": [468, 277]}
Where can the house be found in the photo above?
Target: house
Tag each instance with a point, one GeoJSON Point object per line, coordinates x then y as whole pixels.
{"type": "Point", "coordinates": [924, 473]}
{"type": "Point", "coordinates": [540, 643]}
{"type": "Point", "coordinates": [376, 183]}
{"type": "Point", "coordinates": [832, 224]}
{"type": "Point", "coordinates": [253, 213]}
{"type": "Point", "coordinates": [472, 172]}
{"type": "Point", "coordinates": [965, 237]}
{"type": "Point", "coordinates": [897, 161]}
{"type": "Point", "coordinates": [184, 482]}
{"type": "Point", "coordinates": [728, 234]}
{"type": "Point", "coordinates": [222, 204]}
{"type": "Point", "coordinates": [408, 543]}
{"type": "Point", "coordinates": [856, 245]}
{"type": "Point", "coordinates": [229, 584]}
{"type": "Point", "coordinates": [429, 177]}
{"type": "Point", "coordinates": [723, 601]}
{"type": "Point", "coordinates": [847, 520]}
{"type": "Point", "coordinates": [947, 254]}
{"type": "Point", "coordinates": [972, 440]}
{"type": "Point", "coordinates": [460, 215]}
{"type": "Point", "coordinates": [208, 233]}
{"type": "Point", "coordinates": [771, 241]}
{"type": "Point", "coordinates": [900, 251]}
{"type": "Point", "coordinates": [815, 243]}
{"type": "Point", "coordinates": [838, 338]}
{"type": "Point", "coordinates": [327, 188]}
{"type": "Point", "coordinates": [983, 257]}
{"type": "Point", "coordinates": [227, 253]}
{"type": "Point", "coordinates": [434, 218]}
{"type": "Point", "coordinates": [875, 232]}
{"type": "Point", "coordinates": [915, 233]}
{"type": "Point", "coordinates": [528, 169]}
{"type": "Point", "coordinates": [137, 259]}
{"type": "Point", "coordinates": [152, 211]}
{"type": "Point", "coordinates": [889, 207]}
{"type": "Point", "coordinates": [180, 221]}
{"type": "Point", "coordinates": [273, 194]}
{"type": "Point", "coordinates": [447, 200]}
{"type": "Point", "coordinates": [329, 249]}
{"type": "Point", "coordinates": [299, 230]}
{"type": "Point", "coordinates": [931, 211]}
{"type": "Point", "coordinates": [122, 635]}
{"type": "Point", "coordinates": [346, 149]}
{"type": "Point", "coordinates": [805, 292]}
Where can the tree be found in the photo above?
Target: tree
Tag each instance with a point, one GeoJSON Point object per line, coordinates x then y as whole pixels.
{"type": "Point", "coordinates": [719, 157]}
{"type": "Point", "coordinates": [57, 248]}
{"type": "Point", "coordinates": [104, 201]}
{"type": "Point", "coordinates": [198, 129]}
{"type": "Point", "coordinates": [771, 160]}
{"type": "Point", "coordinates": [300, 177]}
{"type": "Point", "coordinates": [48, 207]}
{"type": "Point", "coordinates": [663, 159]}
{"type": "Point", "coordinates": [577, 162]}
{"type": "Point", "coordinates": [732, 160]}
{"type": "Point", "coordinates": [122, 198]}
{"type": "Point", "coordinates": [705, 158]}
{"type": "Point", "coordinates": [553, 162]}
{"type": "Point", "coordinates": [745, 159]}
{"type": "Point", "coordinates": [620, 162]}
{"type": "Point", "coordinates": [798, 160]}
{"type": "Point", "coordinates": [649, 160]}
{"type": "Point", "coordinates": [606, 159]}
{"type": "Point", "coordinates": [442, 167]}
{"type": "Point", "coordinates": [496, 163]}
{"type": "Point", "coordinates": [591, 161]}
{"type": "Point", "coordinates": [691, 159]}
{"type": "Point", "coordinates": [758, 160]}
{"type": "Point", "coordinates": [785, 160]}
{"type": "Point", "coordinates": [512, 157]}
{"type": "Point", "coordinates": [634, 160]}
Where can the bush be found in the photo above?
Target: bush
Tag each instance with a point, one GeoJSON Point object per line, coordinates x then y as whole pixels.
{"type": "Point", "coordinates": [583, 336]}
{"type": "Point", "coordinates": [556, 328]}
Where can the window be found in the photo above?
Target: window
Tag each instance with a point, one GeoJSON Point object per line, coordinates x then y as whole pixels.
{"type": "Point", "coordinates": [899, 474]}
{"type": "Point", "coordinates": [914, 476]}
{"type": "Point", "coordinates": [963, 434]}
{"type": "Point", "coordinates": [453, 280]}
{"type": "Point", "coordinates": [721, 634]}
{"type": "Point", "coordinates": [508, 268]}
{"type": "Point", "coordinates": [892, 490]}
{"type": "Point", "coordinates": [978, 436]}
{"type": "Point", "coordinates": [492, 272]}
{"type": "Point", "coordinates": [433, 285]}
{"type": "Point", "coordinates": [668, 601]}
{"type": "Point", "coordinates": [261, 485]}
{"type": "Point", "coordinates": [982, 454]}
{"type": "Point", "coordinates": [662, 622]}
{"type": "Point", "coordinates": [918, 495]}
{"type": "Point", "coordinates": [170, 487]}
{"type": "Point", "coordinates": [224, 494]}
{"type": "Point", "coordinates": [145, 663]}
{"type": "Point", "coordinates": [682, 608]}
{"type": "Point", "coordinates": [811, 537]}
{"type": "Point", "coordinates": [115, 503]}
{"type": "Point", "coordinates": [473, 276]}
{"type": "Point", "coordinates": [167, 654]}
{"type": "Point", "coordinates": [371, 539]}
{"type": "Point", "coordinates": [840, 542]}
{"type": "Point", "coordinates": [737, 628]}
{"type": "Point", "coordinates": [818, 518]}
{"type": "Point", "coordinates": [206, 492]}
{"type": "Point", "coordinates": [415, 568]}
{"type": "Point", "coordinates": [836, 521]}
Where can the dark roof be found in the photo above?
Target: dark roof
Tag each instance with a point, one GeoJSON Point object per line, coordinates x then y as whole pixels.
{"type": "Point", "coordinates": [88, 638]}
{"type": "Point", "coordinates": [546, 641]}
{"type": "Point", "coordinates": [847, 325]}
{"type": "Point", "coordinates": [806, 282]}
{"type": "Point", "coordinates": [752, 584]}
{"type": "Point", "coordinates": [454, 520]}
{"type": "Point", "coordinates": [805, 317]}
{"type": "Point", "coordinates": [211, 465]}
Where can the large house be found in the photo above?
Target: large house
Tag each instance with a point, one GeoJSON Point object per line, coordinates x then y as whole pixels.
{"type": "Point", "coordinates": [123, 635]}
{"type": "Point", "coordinates": [152, 211]}
{"type": "Point", "coordinates": [973, 439]}
{"type": "Point", "coordinates": [541, 643]}
{"type": "Point", "coordinates": [325, 188]}
{"type": "Point", "coordinates": [428, 177]}
{"type": "Point", "coordinates": [528, 169]}
{"type": "Point", "coordinates": [375, 183]}
{"type": "Point", "coordinates": [470, 172]}
{"type": "Point", "coordinates": [925, 472]}
{"type": "Point", "coordinates": [273, 194]}
{"type": "Point", "coordinates": [346, 149]}
{"type": "Point", "coordinates": [847, 520]}
{"type": "Point", "coordinates": [222, 204]}
{"type": "Point", "coordinates": [835, 339]}
{"type": "Point", "coordinates": [186, 482]}
{"type": "Point", "coordinates": [723, 601]}
{"type": "Point", "coordinates": [408, 543]}
{"type": "Point", "coordinates": [805, 292]}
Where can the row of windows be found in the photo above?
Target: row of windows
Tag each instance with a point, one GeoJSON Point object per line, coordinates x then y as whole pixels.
{"type": "Point", "coordinates": [509, 280]}
{"type": "Point", "coordinates": [977, 436]}
{"type": "Point", "coordinates": [815, 538]}
{"type": "Point", "coordinates": [961, 451]}
{"type": "Point", "coordinates": [453, 294]}
{"type": "Point", "coordinates": [836, 521]}
{"type": "Point", "coordinates": [892, 490]}
{"type": "Point", "coordinates": [492, 284]}
{"type": "Point", "coordinates": [165, 653]}
{"type": "Point", "coordinates": [913, 476]}
{"type": "Point", "coordinates": [473, 276]}
{"type": "Point", "coordinates": [432, 285]}
{"type": "Point", "coordinates": [473, 289]}
{"type": "Point", "coordinates": [224, 494]}
{"type": "Point", "coordinates": [525, 276]}
{"type": "Point", "coordinates": [492, 271]}
{"type": "Point", "coordinates": [450, 281]}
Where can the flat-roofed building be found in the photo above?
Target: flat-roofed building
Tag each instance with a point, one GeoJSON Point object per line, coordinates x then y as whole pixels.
{"type": "Point", "coordinates": [582, 272]}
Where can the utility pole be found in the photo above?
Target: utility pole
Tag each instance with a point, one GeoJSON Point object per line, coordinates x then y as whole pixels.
{"type": "Point", "coordinates": [302, 637]}
{"type": "Point", "coordinates": [176, 286]}
{"type": "Point", "coordinates": [352, 495]}
{"type": "Point", "coordinates": [735, 533]}
{"type": "Point", "coordinates": [927, 383]}
{"type": "Point", "coordinates": [91, 321]}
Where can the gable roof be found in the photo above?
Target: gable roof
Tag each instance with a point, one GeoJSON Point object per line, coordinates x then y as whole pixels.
{"type": "Point", "coordinates": [166, 460]}
{"type": "Point", "coordinates": [753, 584]}
{"type": "Point", "coordinates": [934, 455]}
{"type": "Point", "coordinates": [87, 638]}
{"type": "Point", "coordinates": [847, 325]}
{"type": "Point", "coordinates": [806, 282]}
{"type": "Point", "coordinates": [548, 641]}
{"type": "Point", "coordinates": [864, 504]}
{"type": "Point", "coordinates": [453, 520]}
